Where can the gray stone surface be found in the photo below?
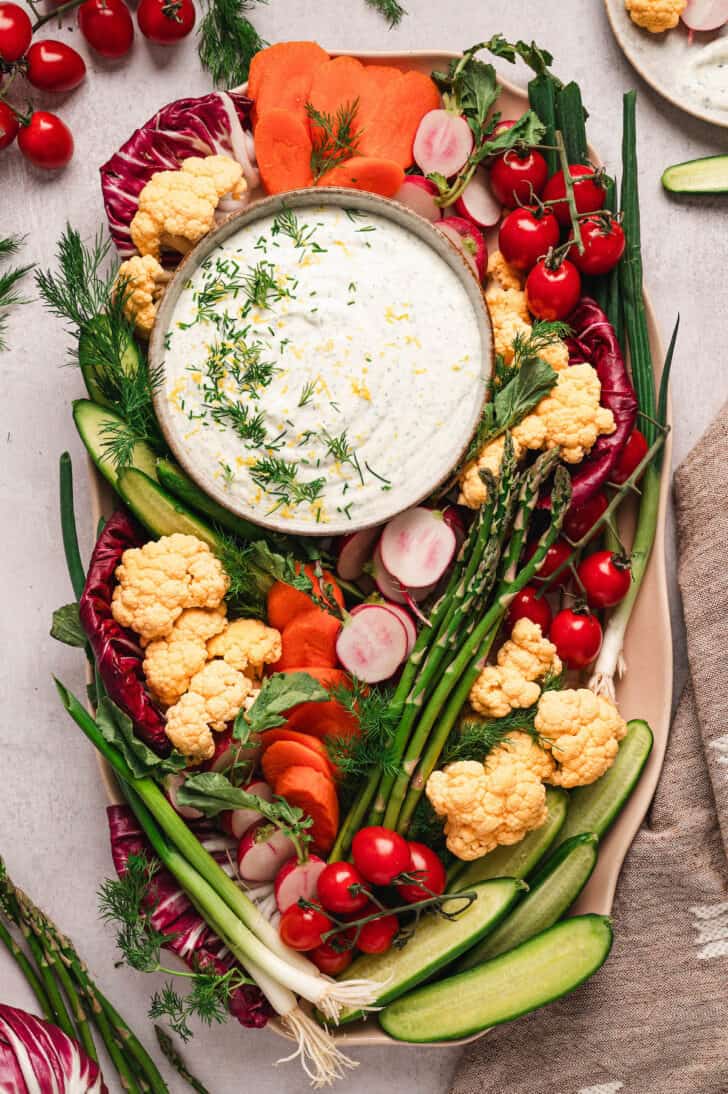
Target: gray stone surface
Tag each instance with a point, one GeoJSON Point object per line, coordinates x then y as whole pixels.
{"type": "Point", "coordinates": [52, 826]}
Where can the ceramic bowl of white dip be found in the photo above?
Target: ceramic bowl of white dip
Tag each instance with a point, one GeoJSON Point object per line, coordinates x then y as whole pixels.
{"type": "Point", "coordinates": [323, 359]}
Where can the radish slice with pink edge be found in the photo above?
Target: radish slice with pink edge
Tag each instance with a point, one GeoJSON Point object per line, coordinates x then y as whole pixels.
{"type": "Point", "coordinates": [451, 515]}
{"type": "Point", "coordinates": [392, 589]}
{"type": "Point", "coordinates": [705, 14]}
{"type": "Point", "coordinates": [372, 644]}
{"type": "Point", "coordinates": [355, 550]}
{"type": "Point", "coordinates": [262, 851]}
{"type": "Point", "coordinates": [296, 880]}
{"type": "Point", "coordinates": [419, 194]}
{"type": "Point", "coordinates": [236, 822]}
{"type": "Point", "coordinates": [172, 783]}
{"type": "Point", "coordinates": [478, 202]}
{"type": "Point", "coordinates": [417, 546]}
{"type": "Point", "coordinates": [469, 240]}
{"type": "Point", "coordinates": [443, 142]}
{"type": "Point", "coordinates": [407, 621]}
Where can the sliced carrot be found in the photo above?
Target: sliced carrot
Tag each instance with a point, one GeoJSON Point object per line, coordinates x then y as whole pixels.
{"type": "Point", "coordinates": [376, 176]}
{"type": "Point", "coordinates": [285, 602]}
{"type": "Point", "coordinates": [283, 151]}
{"type": "Point", "coordinates": [309, 639]}
{"type": "Point", "coordinates": [282, 733]}
{"type": "Point", "coordinates": [285, 754]}
{"type": "Point", "coordinates": [402, 107]}
{"type": "Point", "coordinates": [337, 84]}
{"type": "Point", "coordinates": [324, 719]}
{"type": "Point", "coordinates": [280, 77]}
{"type": "Point", "coordinates": [378, 79]}
{"type": "Point", "coordinates": [315, 794]}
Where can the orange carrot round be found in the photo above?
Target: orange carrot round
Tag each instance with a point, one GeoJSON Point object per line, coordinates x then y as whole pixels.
{"type": "Point", "coordinates": [309, 639]}
{"type": "Point", "coordinates": [324, 719]}
{"type": "Point", "coordinates": [285, 602]}
{"type": "Point", "coordinates": [283, 151]}
{"type": "Point", "coordinates": [376, 176]}
{"type": "Point", "coordinates": [280, 77]}
{"type": "Point", "coordinates": [284, 754]}
{"type": "Point", "coordinates": [315, 794]}
{"type": "Point", "coordinates": [403, 104]}
{"type": "Point", "coordinates": [339, 83]}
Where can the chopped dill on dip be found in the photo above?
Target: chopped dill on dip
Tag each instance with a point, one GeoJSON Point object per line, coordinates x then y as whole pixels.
{"type": "Point", "coordinates": [318, 360]}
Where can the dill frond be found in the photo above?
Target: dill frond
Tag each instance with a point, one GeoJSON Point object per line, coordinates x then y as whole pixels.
{"type": "Point", "coordinates": [10, 295]}
{"type": "Point", "coordinates": [334, 137]}
{"type": "Point", "coordinates": [228, 41]}
{"type": "Point", "coordinates": [391, 10]}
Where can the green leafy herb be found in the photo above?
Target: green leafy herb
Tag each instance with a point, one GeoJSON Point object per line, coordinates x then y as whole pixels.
{"type": "Point", "coordinates": [121, 901]}
{"type": "Point", "coordinates": [358, 755]}
{"type": "Point", "coordinates": [286, 223]}
{"type": "Point", "coordinates": [335, 139]}
{"type": "Point", "coordinates": [208, 1000]}
{"type": "Point", "coordinates": [470, 87]}
{"type": "Point", "coordinates": [278, 694]}
{"type": "Point", "coordinates": [540, 60]}
{"type": "Point", "coordinates": [168, 1050]}
{"type": "Point", "coordinates": [117, 728]}
{"type": "Point", "coordinates": [339, 449]}
{"type": "Point", "coordinates": [66, 626]}
{"type": "Point", "coordinates": [512, 403]}
{"type": "Point", "coordinates": [307, 393]}
{"type": "Point", "coordinates": [228, 41]}
{"type": "Point", "coordinates": [10, 295]}
{"type": "Point", "coordinates": [391, 10]}
{"type": "Point", "coordinates": [279, 478]}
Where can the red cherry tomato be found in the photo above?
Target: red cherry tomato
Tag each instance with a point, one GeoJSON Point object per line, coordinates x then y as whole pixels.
{"type": "Point", "coordinates": [557, 553]}
{"type": "Point", "coordinates": [429, 871]}
{"type": "Point", "coordinates": [335, 886]}
{"type": "Point", "coordinates": [9, 125]}
{"type": "Point", "coordinates": [526, 236]}
{"type": "Point", "coordinates": [331, 961]}
{"type": "Point", "coordinates": [552, 292]}
{"type": "Point", "coordinates": [581, 518]}
{"type": "Point", "coordinates": [301, 928]}
{"type": "Point", "coordinates": [16, 32]}
{"type": "Point", "coordinates": [107, 26]}
{"type": "Point", "coordinates": [54, 66]}
{"type": "Point", "coordinates": [604, 244]}
{"type": "Point", "coordinates": [380, 854]}
{"type": "Point", "coordinates": [46, 141]}
{"type": "Point", "coordinates": [606, 579]}
{"type": "Point", "coordinates": [589, 193]}
{"type": "Point", "coordinates": [166, 21]}
{"type": "Point", "coordinates": [377, 936]}
{"type": "Point", "coordinates": [630, 457]}
{"type": "Point", "coordinates": [528, 605]}
{"type": "Point", "coordinates": [577, 637]}
{"type": "Point", "coordinates": [516, 177]}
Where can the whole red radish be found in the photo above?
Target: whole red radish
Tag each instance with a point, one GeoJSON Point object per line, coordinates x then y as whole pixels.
{"type": "Point", "coordinates": [503, 126]}
{"type": "Point", "coordinates": [605, 577]}
{"type": "Point", "coordinates": [527, 604]}
{"type": "Point", "coordinates": [16, 32]}
{"type": "Point", "coordinates": [9, 125]}
{"type": "Point", "coordinates": [429, 872]}
{"type": "Point", "coordinates": [380, 854]}
{"type": "Point", "coordinates": [166, 21]}
{"type": "Point", "coordinates": [577, 636]}
{"type": "Point", "coordinates": [553, 289]}
{"type": "Point", "coordinates": [46, 141]}
{"type": "Point", "coordinates": [526, 235]}
{"type": "Point", "coordinates": [107, 26]}
{"type": "Point", "coordinates": [517, 177]}
{"type": "Point", "coordinates": [589, 192]}
{"type": "Point", "coordinates": [54, 66]}
{"type": "Point", "coordinates": [631, 456]}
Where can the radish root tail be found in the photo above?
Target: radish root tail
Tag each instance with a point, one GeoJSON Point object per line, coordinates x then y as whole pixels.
{"type": "Point", "coordinates": [322, 1061]}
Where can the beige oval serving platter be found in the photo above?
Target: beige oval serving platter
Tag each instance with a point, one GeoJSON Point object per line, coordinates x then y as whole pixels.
{"type": "Point", "coordinates": [646, 689]}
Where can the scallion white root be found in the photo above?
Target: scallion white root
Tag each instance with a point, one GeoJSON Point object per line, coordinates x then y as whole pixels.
{"type": "Point", "coordinates": [320, 1057]}
{"type": "Point", "coordinates": [347, 995]}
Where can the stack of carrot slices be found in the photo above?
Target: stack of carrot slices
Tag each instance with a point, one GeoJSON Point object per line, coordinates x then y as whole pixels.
{"type": "Point", "coordinates": [391, 103]}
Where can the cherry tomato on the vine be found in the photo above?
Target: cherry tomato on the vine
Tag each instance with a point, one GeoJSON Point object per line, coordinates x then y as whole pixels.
{"type": "Point", "coordinates": [46, 140]}
{"type": "Point", "coordinates": [54, 66]}
{"type": "Point", "coordinates": [9, 125]}
{"type": "Point", "coordinates": [527, 604]}
{"type": "Point", "coordinates": [556, 555]}
{"type": "Point", "coordinates": [577, 636]}
{"type": "Point", "coordinates": [580, 518]}
{"type": "Point", "coordinates": [527, 235]}
{"type": "Point", "coordinates": [516, 176]}
{"type": "Point", "coordinates": [380, 854]}
{"type": "Point", "coordinates": [553, 291]}
{"type": "Point", "coordinates": [429, 871]}
{"type": "Point", "coordinates": [329, 960]}
{"type": "Point", "coordinates": [604, 243]}
{"type": "Point", "coordinates": [107, 26]}
{"type": "Point", "coordinates": [165, 21]}
{"type": "Point", "coordinates": [631, 456]}
{"type": "Point", "coordinates": [589, 192]}
{"type": "Point", "coordinates": [606, 578]}
{"type": "Point", "coordinates": [301, 928]}
{"type": "Point", "coordinates": [16, 32]}
{"type": "Point", "coordinates": [337, 887]}
{"type": "Point", "coordinates": [378, 935]}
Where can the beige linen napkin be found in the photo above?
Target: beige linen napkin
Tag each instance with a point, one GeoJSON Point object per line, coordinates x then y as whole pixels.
{"type": "Point", "coordinates": [654, 1020]}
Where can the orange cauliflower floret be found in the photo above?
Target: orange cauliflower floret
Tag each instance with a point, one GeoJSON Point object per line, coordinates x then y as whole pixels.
{"type": "Point", "coordinates": [144, 282]}
{"type": "Point", "coordinates": [655, 15]}
{"type": "Point", "coordinates": [491, 803]}
{"type": "Point", "coordinates": [556, 354]}
{"type": "Point", "coordinates": [582, 731]}
{"type": "Point", "coordinates": [508, 277]}
{"type": "Point", "coordinates": [510, 684]}
{"type": "Point", "coordinates": [473, 491]}
{"type": "Point", "coordinates": [177, 208]}
{"type": "Point", "coordinates": [188, 730]}
{"type": "Point", "coordinates": [223, 690]}
{"type": "Point", "coordinates": [509, 317]}
{"type": "Point", "coordinates": [158, 581]}
{"type": "Point", "coordinates": [570, 417]}
{"type": "Point", "coordinates": [171, 662]}
{"type": "Point", "coordinates": [247, 645]}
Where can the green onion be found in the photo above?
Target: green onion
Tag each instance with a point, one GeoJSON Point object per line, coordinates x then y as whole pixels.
{"type": "Point", "coordinates": [571, 119]}
{"type": "Point", "coordinates": [542, 100]}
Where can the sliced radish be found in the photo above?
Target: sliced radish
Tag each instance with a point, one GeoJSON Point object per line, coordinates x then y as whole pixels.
{"type": "Point", "coordinates": [172, 783]}
{"type": "Point", "coordinates": [372, 644]}
{"type": "Point", "coordinates": [355, 551]}
{"type": "Point", "coordinates": [228, 752]}
{"type": "Point", "coordinates": [443, 142]}
{"type": "Point", "coordinates": [236, 822]}
{"type": "Point", "coordinates": [402, 614]}
{"type": "Point", "coordinates": [298, 879]}
{"type": "Point", "coordinates": [262, 851]}
{"type": "Point", "coordinates": [478, 202]}
{"type": "Point", "coordinates": [419, 194]}
{"type": "Point", "coordinates": [392, 589]}
{"type": "Point", "coordinates": [705, 14]}
{"type": "Point", "coordinates": [503, 125]}
{"type": "Point", "coordinates": [452, 516]}
{"type": "Point", "coordinates": [468, 238]}
{"type": "Point", "coordinates": [417, 546]}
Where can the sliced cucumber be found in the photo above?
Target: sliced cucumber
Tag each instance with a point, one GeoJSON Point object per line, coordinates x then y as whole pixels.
{"type": "Point", "coordinates": [93, 423]}
{"type": "Point", "coordinates": [705, 176]}
{"type": "Point", "coordinates": [535, 973]}
{"type": "Point", "coordinates": [177, 483]}
{"type": "Point", "coordinates": [593, 808]}
{"type": "Point", "coordinates": [158, 511]}
{"type": "Point", "coordinates": [520, 858]}
{"type": "Point", "coordinates": [93, 367]}
{"type": "Point", "coordinates": [550, 895]}
{"type": "Point", "coordinates": [435, 943]}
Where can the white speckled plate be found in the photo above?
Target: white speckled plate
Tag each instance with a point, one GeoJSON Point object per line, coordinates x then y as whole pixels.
{"type": "Point", "coordinates": [662, 60]}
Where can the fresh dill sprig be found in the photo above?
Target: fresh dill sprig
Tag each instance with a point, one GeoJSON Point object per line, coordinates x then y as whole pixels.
{"type": "Point", "coordinates": [228, 41]}
{"type": "Point", "coordinates": [339, 449]}
{"type": "Point", "coordinates": [391, 10]}
{"type": "Point", "coordinates": [334, 137]}
{"type": "Point", "coordinates": [169, 1051]}
{"type": "Point", "coordinates": [82, 287]}
{"type": "Point", "coordinates": [10, 296]}
{"type": "Point", "coordinates": [121, 902]}
{"type": "Point", "coordinates": [279, 478]}
{"type": "Point", "coordinates": [543, 333]}
{"type": "Point", "coordinates": [307, 393]}
{"type": "Point", "coordinates": [245, 424]}
{"type": "Point", "coordinates": [356, 756]}
{"type": "Point", "coordinates": [261, 287]}
{"type": "Point", "coordinates": [286, 223]}
{"type": "Point", "coordinates": [207, 1000]}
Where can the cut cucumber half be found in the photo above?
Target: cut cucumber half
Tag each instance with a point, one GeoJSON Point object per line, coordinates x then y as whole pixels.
{"type": "Point", "coordinates": [593, 808]}
{"type": "Point", "coordinates": [435, 943]}
{"type": "Point", "coordinates": [520, 858]}
{"type": "Point", "coordinates": [96, 332]}
{"type": "Point", "coordinates": [537, 972]}
{"type": "Point", "coordinates": [177, 483]}
{"type": "Point", "coordinates": [705, 176]}
{"type": "Point", "coordinates": [158, 511]}
{"type": "Point", "coordinates": [93, 423]}
{"type": "Point", "coordinates": [550, 895]}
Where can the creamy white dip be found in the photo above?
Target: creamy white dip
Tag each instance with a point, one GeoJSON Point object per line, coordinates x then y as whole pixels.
{"type": "Point", "coordinates": [320, 360]}
{"type": "Point", "coordinates": [707, 73]}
